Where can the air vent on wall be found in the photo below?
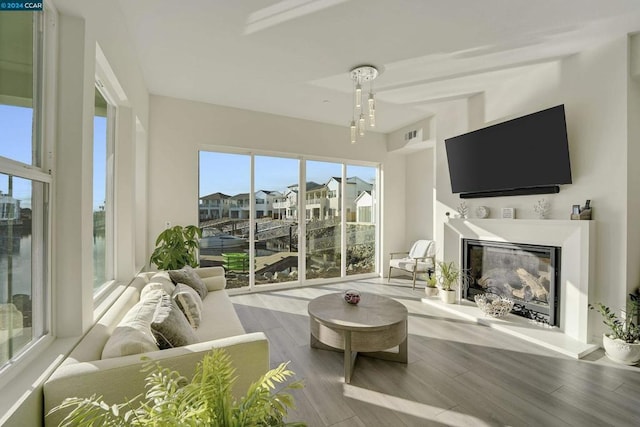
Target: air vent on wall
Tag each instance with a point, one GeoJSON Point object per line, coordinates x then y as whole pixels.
{"type": "Point", "coordinates": [410, 135]}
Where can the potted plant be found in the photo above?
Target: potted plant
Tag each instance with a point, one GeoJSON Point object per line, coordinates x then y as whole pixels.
{"type": "Point", "coordinates": [431, 287]}
{"type": "Point", "coordinates": [622, 342]}
{"type": "Point", "coordinates": [450, 275]}
{"type": "Point", "coordinates": [206, 400]}
{"type": "Point", "coordinates": [176, 247]}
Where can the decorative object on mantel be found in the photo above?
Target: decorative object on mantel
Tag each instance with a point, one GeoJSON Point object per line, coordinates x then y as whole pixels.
{"type": "Point", "coordinates": [463, 210]}
{"type": "Point", "coordinates": [508, 213]}
{"type": "Point", "coordinates": [360, 75]}
{"type": "Point", "coordinates": [493, 305]}
{"type": "Point", "coordinates": [482, 212]}
{"type": "Point", "coordinates": [542, 208]}
{"type": "Point", "coordinates": [581, 213]}
{"type": "Point", "coordinates": [622, 343]}
{"type": "Point", "coordinates": [352, 296]}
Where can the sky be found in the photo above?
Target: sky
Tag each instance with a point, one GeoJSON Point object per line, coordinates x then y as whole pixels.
{"type": "Point", "coordinates": [15, 144]}
{"type": "Point", "coordinates": [230, 173]}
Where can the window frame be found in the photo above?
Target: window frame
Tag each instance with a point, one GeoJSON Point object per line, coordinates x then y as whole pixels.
{"type": "Point", "coordinates": [301, 207]}
{"type": "Point", "coordinates": [103, 290]}
{"type": "Point", "coordinates": [41, 171]}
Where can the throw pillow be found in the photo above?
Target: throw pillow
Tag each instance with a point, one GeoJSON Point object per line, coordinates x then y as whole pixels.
{"type": "Point", "coordinates": [149, 288]}
{"type": "Point", "coordinates": [164, 278]}
{"type": "Point", "coordinates": [170, 327]}
{"type": "Point", "coordinates": [133, 333]}
{"type": "Point", "coordinates": [189, 277]}
{"type": "Point", "coordinates": [189, 302]}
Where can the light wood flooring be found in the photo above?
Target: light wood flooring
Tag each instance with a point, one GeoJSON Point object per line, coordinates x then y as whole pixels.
{"type": "Point", "coordinates": [459, 373]}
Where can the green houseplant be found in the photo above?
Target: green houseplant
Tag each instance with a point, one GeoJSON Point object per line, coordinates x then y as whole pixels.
{"type": "Point", "coordinates": [206, 400]}
{"type": "Point", "coordinates": [176, 247]}
{"type": "Point", "coordinates": [622, 342]}
{"type": "Point", "coordinates": [431, 287]}
{"type": "Point", "coordinates": [449, 276]}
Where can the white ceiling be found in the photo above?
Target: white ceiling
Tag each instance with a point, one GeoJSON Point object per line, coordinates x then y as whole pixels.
{"type": "Point", "coordinates": [293, 57]}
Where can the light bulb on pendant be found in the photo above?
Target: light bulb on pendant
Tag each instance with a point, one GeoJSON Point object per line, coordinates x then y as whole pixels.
{"type": "Point", "coordinates": [361, 125]}
{"type": "Point", "coordinates": [358, 95]}
{"type": "Point", "coordinates": [353, 131]}
{"type": "Point", "coordinates": [372, 110]}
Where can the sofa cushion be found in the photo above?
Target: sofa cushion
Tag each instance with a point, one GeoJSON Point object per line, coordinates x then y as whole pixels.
{"type": "Point", "coordinates": [189, 302]}
{"type": "Point", "coordinates": [169, 325]}
{"type": "Point", "coordinates": [151, 287]}
{"type": "Point", "coordinates": [189, 277]}
{"type": "Point", "coordinates": [215, 283]}
{"type": "Point", "coordinates": [219, 318]}
{"type": "Point", "coordinates": [164, 278]}
{"type": "Point", "coordinates": [133, 333]}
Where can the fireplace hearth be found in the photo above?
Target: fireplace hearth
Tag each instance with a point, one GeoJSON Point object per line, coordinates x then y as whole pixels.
{"type": "Point", "coordinates": [528, 274]}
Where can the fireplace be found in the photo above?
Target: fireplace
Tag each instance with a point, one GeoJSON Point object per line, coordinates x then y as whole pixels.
{"type": "Point", "coordinates": [528, 274]}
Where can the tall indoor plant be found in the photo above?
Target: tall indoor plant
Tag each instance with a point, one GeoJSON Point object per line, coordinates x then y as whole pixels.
{"type": "Point", "coordinates": [176, 247]}
{"type": "Point", "coordinates": [622, 342]}
{"type": "Point", "coordinates": [206, 400]}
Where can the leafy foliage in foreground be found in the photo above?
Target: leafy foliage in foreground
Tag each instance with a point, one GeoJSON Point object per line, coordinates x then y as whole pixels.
{"type": "Point", "coordinates": [171, 400]}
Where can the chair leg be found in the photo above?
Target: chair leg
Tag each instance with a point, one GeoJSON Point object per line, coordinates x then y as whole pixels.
{"type": "Point", "coordinates": [389, 277]}
{"type": "Point", "coordinates": [414, 279]}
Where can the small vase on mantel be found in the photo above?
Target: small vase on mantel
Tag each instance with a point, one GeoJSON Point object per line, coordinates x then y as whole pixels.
{"type": "Point", "coordinates": [542, 208]}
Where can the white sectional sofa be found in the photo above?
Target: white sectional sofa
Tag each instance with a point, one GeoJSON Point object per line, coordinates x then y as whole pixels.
{"type": "Point", "coordinates": [84, 372]}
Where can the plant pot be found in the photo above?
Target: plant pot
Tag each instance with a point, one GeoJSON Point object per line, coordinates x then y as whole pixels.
{"type": "Point", "coordinates": [620, 351]}
{"type": "Point", "coordinates": [448, 297]}
{"type": "Point", "coordinates": [431, 292]}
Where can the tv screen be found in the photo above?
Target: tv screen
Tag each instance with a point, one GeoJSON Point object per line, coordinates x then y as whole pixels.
{"type": "Point", "coordinates": [529, 152]}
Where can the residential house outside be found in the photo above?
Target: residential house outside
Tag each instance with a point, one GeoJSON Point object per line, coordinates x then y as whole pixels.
{"type": "Point", "coordinates": [214, 206]}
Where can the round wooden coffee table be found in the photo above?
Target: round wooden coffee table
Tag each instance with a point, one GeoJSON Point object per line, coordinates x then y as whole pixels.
{"type": "Point", "coordinates": [375, 324]}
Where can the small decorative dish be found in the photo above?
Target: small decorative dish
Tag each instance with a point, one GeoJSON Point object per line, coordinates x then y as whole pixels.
{"type": "Point", "coordinates": [352, 297]}
{"type": "Point", "coordinates": [493, 305]}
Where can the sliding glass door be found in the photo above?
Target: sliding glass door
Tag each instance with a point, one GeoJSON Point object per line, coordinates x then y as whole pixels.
{"type": "Point", "coordinates": [323, 219]}
{"type": "Point", "coordinates": [276, 222]}
{"type": "Point", "coordinates": [252, 209]}
{"type": "Point", "coordinates": [224, 214]}
{"type": "Point", "coordinates": [361, 212]}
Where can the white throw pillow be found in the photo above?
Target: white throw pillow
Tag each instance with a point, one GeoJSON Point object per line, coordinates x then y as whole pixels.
{"type": "Point", "coordinates": [164, 278]}
{"type": "Point", "coordinates": [133, 333]}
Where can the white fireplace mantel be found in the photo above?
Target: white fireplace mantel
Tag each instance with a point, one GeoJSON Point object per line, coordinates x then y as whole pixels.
{"type": "Point", "coordinates": [575, 238]}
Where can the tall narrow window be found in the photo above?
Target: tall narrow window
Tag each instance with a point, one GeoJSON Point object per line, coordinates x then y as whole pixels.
{"type": "Point", "coordinates": [102, 191]}
{"type": "Point", "coordinates": [323, 207]}
{"type": "Point", "coordinates": [24, 189]}
{"type": "Point", "coordinates": [361, 209]}
{"type": "Point", "coordinates": [224, 212]}
{"type": "Point", "coordinates": [276, 229]}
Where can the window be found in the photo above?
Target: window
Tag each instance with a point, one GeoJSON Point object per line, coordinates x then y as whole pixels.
{"type": "Point", "coordinates": [361, 222]}
{"type": "Point", "coordinates": [24, 186]}
{"type": "Point", "coordinates": [324, 219]}
{"type": "Point", "coordinates": [102, 191]}
{"type": "Point", "coordinates": [290, 232]}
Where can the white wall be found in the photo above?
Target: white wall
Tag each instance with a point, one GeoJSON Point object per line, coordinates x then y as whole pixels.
{"type": "Point", "coordinates": [593, 87]}
{"type": "Point", "coordinates": [418, 186]}
{"type": "Point", "coordinates": [179, 129]}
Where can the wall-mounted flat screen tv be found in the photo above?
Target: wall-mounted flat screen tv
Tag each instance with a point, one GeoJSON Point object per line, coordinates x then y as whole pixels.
{"type": "Point", "coordinates": [526, 155]}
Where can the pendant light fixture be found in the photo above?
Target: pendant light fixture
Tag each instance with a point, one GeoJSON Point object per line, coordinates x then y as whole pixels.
{"type": "Point", "coordinates": [361, 75]}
